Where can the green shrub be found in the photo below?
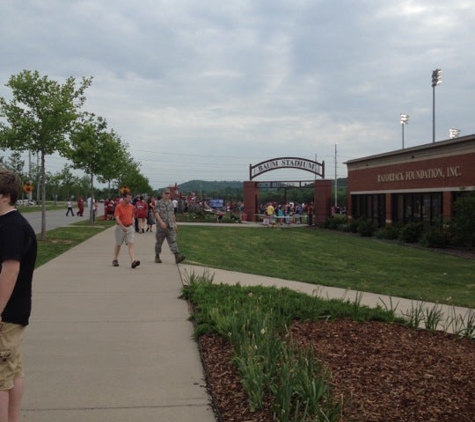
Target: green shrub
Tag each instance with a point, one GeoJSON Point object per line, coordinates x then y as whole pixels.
{"type": "Point", "coordinates": [436, 237]}
{"type": "Point", "coordinates": [353, 226]}
{"type": "Point", "coordinates": [366, 228]}
{"type": "Point", "coordinates": [392, 231]}
{"type": "Point", "coordinates": [334, 222]}
{"type": "Point", "coordinates": [411, 232]}
{"type": "Point", "coordinates": [464, 221]}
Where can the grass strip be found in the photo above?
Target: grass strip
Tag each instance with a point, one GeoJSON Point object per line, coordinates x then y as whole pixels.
{"type": "Point", "coordinates": [333, 259]}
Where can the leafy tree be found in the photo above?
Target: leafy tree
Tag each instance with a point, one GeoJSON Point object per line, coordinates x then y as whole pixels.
{"type": "Point", "coordinates": [17, 165]}
{"type": "Point", "coordinates": [39, 118]}
{"type": "Point", "coordinates": [67, 181]}
{"type": "Point", "coordinates": [116, 166]}
{"type": "Point", "coordinates": [53, 182]}
{"type": "Point", "coordinates": [94, 149]}
{"type": "Point", "coordinates": [133, 179]}
{"type": "Point", "coordinates": [82, 186]}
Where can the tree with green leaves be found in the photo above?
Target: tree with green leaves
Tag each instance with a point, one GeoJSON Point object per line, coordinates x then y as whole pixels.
{"type": "Point", "coordinates": [17, 165]}
{"type": "Point", "coordinates": [133, 179]}
{"type": "Point", "coordinates": [93, 148]}
{"type": "Point", "coordinates": [39, 117]}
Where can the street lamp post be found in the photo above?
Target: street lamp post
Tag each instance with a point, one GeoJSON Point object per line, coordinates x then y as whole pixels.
{"type": "Point", "coordinates": [436, 80]}
{"type": "Point", "coordinates": [404, 121]}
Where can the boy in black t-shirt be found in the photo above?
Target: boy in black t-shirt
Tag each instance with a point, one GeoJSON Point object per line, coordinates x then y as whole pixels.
{"type": "Point", "coordinates": [17, 261]}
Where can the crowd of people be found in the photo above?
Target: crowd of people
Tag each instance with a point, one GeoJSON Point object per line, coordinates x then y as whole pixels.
{"type": "Point", "coordinates": [289, 213]}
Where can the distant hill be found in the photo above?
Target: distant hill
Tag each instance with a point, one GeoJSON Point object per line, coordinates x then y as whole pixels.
{"type": "Point", "coordinates": [204, 186]}
{"type": "Point", "coordinates": [198, 186]}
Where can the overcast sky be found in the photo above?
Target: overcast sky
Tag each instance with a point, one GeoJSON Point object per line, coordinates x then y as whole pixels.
{"type": "Point", "coordinates": [202, 89]}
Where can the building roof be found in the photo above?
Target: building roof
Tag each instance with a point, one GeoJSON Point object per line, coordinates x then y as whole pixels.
{"type": "Point", "coordinates": [460, 145]}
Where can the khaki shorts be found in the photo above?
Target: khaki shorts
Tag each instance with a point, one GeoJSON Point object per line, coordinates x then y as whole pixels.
{"type": "Point", "coordinates": [121, 236]}
{"type": "Point", "coordinates": [11, 336]}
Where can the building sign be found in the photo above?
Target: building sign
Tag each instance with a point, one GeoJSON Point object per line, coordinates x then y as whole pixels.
{"type": "Point", "coordinates": [408, 175]}
{"type": "Point", "coordinates": [216, 203]}
{"type": "Point", "coordinates": [287, 162]}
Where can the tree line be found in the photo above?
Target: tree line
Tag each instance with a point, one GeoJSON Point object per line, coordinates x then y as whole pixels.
{"type": "Point", "coordinates": [44, 117]}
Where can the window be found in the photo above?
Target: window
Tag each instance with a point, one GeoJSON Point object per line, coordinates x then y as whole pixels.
{"type": "Point", "coordinates": [372, 207]}
{"type": "Point", "coordinates": [417, 207]}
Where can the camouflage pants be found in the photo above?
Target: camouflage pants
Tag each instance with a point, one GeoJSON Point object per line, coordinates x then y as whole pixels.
{"type": "Point", "coordinates": [161, 235]}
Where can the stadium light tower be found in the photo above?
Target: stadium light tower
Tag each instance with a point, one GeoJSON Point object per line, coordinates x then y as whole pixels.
{"type": "Point", "coordinates": [436, 80]}
{"type": "Point", "coordinates": [404, 122]}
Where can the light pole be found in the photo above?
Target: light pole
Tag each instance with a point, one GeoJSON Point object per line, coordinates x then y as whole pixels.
{"type": "Point", "coordinates": [454, 133]}
{"type": "Point", "coordinates": [436, 75]}
{"type": "Point", "coordinates": [404, 121]}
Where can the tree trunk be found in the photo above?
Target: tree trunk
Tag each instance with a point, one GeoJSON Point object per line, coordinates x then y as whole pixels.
{"type": "Point", "coordinates": [91, 210]}
{"type": "Point", "coordinates": [43, 196]}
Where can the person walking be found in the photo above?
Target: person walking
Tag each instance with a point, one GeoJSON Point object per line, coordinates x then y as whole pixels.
{"type": "Point", "coordinates": [150, 214]}
{"type": "Point", "coordinates": [125, 231]}
{"type": "Point", "coordinates": [80, 207]}
{"type": "Point", "coordinates": [166, 227]}
{"type": "Point", "coordinates": [18, 249]}
{"type": "Point", "coordinates": [310, 212]}
{"type": "Point", "coordinates": [141, 210]}
{"type": "Point", "coordinates": [70, 208]}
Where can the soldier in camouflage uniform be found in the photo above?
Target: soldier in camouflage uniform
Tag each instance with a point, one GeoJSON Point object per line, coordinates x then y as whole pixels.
{"type": "Point", "coordinates": [166, 227]}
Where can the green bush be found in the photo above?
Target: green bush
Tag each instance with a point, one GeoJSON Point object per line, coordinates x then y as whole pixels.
{"type": "Point", "coordinates": [464, 222]}
{"type": "Point", "coordinates": [392, 231]}
{"type": "Point", "coordinates": [366, 228]}
{"type": "Point", "coordinates": [334, 222]}
{"type": "Point", "coordinates": [353, 226]}
{"type": "Point", "coordinates": [436, 237]}
{"type": "Point", "coordinates": [411, 232]}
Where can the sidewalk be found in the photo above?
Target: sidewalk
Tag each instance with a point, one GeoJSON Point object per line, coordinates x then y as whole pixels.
{"type": "Point", "coordinates": [112, 344]}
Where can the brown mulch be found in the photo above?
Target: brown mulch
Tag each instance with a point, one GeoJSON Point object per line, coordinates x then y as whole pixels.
{"type": "Point", "coordinates": [387, 372]}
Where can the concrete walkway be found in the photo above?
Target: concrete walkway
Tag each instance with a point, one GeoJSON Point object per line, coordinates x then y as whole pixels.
{"type": "Point", "coordinates": [112, 344]}
{"type": "Point", "coordinates": [115, 344]}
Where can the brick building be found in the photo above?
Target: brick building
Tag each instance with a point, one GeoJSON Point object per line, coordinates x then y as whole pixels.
{"type": "Point", "coordinates": [413, 184]}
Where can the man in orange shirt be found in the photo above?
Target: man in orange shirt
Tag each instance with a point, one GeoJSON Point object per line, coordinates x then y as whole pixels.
{"type": "Point", "coordinates": [124, 232]}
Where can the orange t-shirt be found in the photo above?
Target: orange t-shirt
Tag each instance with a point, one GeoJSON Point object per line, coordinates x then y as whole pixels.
{"type": "Point", "coordinates": [125, 213]}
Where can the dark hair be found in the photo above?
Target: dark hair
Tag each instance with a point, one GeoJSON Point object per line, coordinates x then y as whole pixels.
{"type": "Point", "coordinates": [10, 184]}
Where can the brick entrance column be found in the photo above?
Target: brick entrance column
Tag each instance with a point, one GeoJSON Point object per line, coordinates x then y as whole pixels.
{"type": "Point", "coordinates": [251, 198]}
{"type": "Point", "coordinates": [322, 199]}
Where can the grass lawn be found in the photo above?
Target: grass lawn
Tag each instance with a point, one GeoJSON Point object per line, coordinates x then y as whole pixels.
{"type": "Point", "coordinates": [333, 259]}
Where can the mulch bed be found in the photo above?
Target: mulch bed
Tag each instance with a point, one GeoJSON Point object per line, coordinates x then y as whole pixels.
{"type": "Point", "coordinates": [387, 372]}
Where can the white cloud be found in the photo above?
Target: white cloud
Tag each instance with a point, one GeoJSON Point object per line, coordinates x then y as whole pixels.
{"type": "Point", "coordinates": [203, 89]}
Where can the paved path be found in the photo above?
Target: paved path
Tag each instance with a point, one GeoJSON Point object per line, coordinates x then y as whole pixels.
{"type": "Point", "coordinates": [111, 344]}
{"type": "Point", "coordinates": [55, 219]}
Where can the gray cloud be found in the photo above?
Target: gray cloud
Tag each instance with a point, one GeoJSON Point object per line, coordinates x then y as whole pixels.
{"type": "Point", "coordinates": [203, 89]}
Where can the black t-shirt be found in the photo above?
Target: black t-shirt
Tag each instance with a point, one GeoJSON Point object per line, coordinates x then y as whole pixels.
{"type": "Point", "coordinates": [18, 242]}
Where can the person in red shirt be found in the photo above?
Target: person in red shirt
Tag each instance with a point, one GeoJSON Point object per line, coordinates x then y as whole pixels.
{"type": "Point", "coordinates": [141, 211]}
{"type": "Point", "coordinates": [124, 232]}
{"type": "Point", "coordinates": [80, 207]}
